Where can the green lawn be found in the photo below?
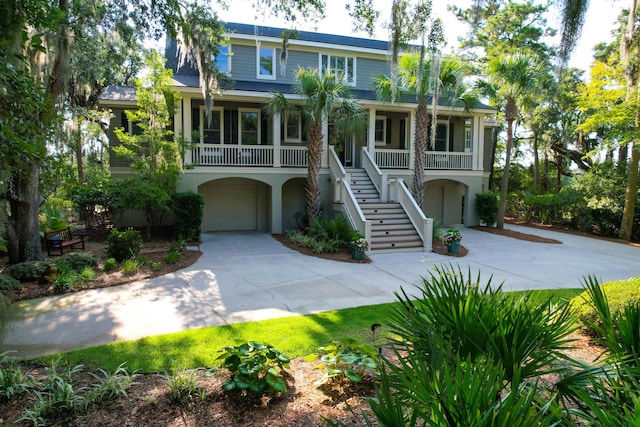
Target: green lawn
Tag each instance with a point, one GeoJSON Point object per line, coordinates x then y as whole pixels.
{"type": "Point", "coordinates": [296, 336]}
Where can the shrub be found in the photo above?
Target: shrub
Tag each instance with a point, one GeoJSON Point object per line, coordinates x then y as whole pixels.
{"type": "Point", "coordinates": [487, 207]}
{"type": "Point", "coordinates": [77, 261]}
{"type": "Point", "coordinates": [172, 257]}
{"type": "Point", "coordinates": [28, 271]}
{"type": "Point", "coordinates": [110, 264]}
{"type": "Point", "coordinates": [67, 278]}
{"type": "Point", "coordinates": [187, 214]}
{"type": "Point", "coordinates": [130, 266]}
{"type": "Point", "coordinates": [183, 385]}
{"type": "Point", "coordinates": [13, 382]}
{"type": "Point", "coordinates": [619, 294]}
{"type": "Point", "coordinates": [87, 274]}
{"type": "Point", "coordinates": [8, 284]}
{"type": "Point", "coordinates": [109, 386]}
{"type": "Point", "coordinates": [123, 245]}
{"type": "Point", "coordinates": [346, 358]}
{"type": "Point", "coordinates": [155, 265]}
{"type": "Point", "coordinates": [179, 246]}
{"type": "Point", "coordinates": [255, 366]}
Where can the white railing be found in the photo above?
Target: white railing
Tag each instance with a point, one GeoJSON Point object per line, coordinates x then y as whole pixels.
{"type": "Point", "coordinates": [293, 157]}
{"type": "Point", "coordinates": [233, 155]}
{"type": "Point", "coordinates": [338, 175]}
{"type": "Point", "coordinates": [375, 174]}
{"type": "Point", "coordinates": [422, 224]}
{"type": "Point", "coordinates": [392, 159]}
{"type": "Point", "coordinates": [448, 160]}
{"type": "Point", "coordinates": [354, 214]}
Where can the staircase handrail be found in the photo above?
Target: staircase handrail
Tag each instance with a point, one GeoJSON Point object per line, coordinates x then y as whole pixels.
{"type": "Point", "coordinates": [338, 175]}
{"type": "Point", "coordinates": [422, 224]}
{"type": "Point", "coordinates": [354, 213]}
{"type": "Point", "coordinates": [375, 174]}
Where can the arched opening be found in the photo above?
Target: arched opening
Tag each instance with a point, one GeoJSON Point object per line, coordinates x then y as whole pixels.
{"type": "Point", "coordinates": [236, 204]}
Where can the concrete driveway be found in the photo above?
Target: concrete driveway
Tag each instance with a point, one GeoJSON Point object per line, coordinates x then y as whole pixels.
{"type": "Point", "coordinates": [251, 276]}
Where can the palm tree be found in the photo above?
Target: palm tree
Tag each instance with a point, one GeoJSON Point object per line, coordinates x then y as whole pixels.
{"type": "Point", "coordinates": [442, 80]}
{"type": "Point", "coordinates": [326, 98]}
{"type": "Point", "coordinates": [514, 78]}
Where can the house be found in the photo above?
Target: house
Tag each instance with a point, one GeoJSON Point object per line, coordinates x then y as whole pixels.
{"type": "Point", "coordinates": [251, 169]}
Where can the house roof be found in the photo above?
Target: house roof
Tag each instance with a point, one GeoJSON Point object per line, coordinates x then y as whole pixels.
{"type": "Point", "coordinates": [119, 93]}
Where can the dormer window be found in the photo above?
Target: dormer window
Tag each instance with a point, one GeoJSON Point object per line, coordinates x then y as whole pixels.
{"type": "Point", "coordinates": [339, 65]}
{"type": "Point", "coordinates": [266, 62]}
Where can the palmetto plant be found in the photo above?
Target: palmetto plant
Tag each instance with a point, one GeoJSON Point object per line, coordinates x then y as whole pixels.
{"type": "Point", "coordinates": [326, 98]}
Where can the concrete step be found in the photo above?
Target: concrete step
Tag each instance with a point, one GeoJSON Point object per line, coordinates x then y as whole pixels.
{"type": "Point", "coordinates": [391, 221]}
{"type": "Point", "coordinates": [367, 198]}
{"type": "Point", "coordinates": [381, 211]}
{"type": "Point", "coordinates": [377, 227]}
{"type": "Point", "coordinates": [401, 233]}
{"type": "Point", "coordinates": [404, 245]}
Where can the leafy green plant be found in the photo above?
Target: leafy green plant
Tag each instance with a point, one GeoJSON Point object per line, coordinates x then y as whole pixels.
{"type": "Point", "coordinates": [172, 257]}
{"type": "Point", "coordinates": [487, 207]}
{"type": "Point", "coordinates": [187, 213]}
{"type": "Point", "coordinates": [110, 385]}
{"type": "Point", "coordinates": [56, 397]}
{"type": "Point", "coordinates": [183, 385]}
{"type": "Point", "coordinates": [155, 265]}
{"type": "Point", "coordinates": [346, 358]}
{"type": "Point", "coordinates": [8, 284]}
{"type": "Point", "coordinates": [87, 274]}
{"type": "Point", "coordinates": [28, 271]}
{"type": "Point", "coordinates": [123, 245]}
{"type": "Point", "coordinates": [130, 266]}
{"type": "Point", "coordinates": [67, 278]}
{"type": "Point", "coordinates": [255, 366]}
{"type": "Point", "coordinates": [13, 382]}
{"type": "Point", "coordinates": [78, 261]}
{"type": "Point", "coordinates": [179, 246]}
{"type": "Point", "coordinates": [618, 294]}
{"type": "Point", "coordinates": [110, 264]}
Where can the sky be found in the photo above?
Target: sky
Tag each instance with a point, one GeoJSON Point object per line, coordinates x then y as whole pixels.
{"type": "Point", "coordinates": [598, 24]}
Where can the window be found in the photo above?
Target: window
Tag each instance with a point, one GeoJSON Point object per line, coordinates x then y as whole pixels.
{"type": "Point", "coordinates": [381, 130]}
{"type": "Point", "coordinates": [339, 65]}
{"type": "Point", "coordinates": [223, 60]}
{"type": "Point", "coordinates": [249, 127]}
{"type": "Point", "coordinates": [211, 133]}
{"type": "Point", "coordinates": [132, 128]}
{"type": "Point", "coordinates": [467, 137]}
{"type": "Point", "coordinates": [442, 136]}
{"type": "Point", "coordinates": [266, 62]}
{"type": "Point", "coordinates": [293, 127]}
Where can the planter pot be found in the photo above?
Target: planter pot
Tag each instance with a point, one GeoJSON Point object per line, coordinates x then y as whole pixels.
{"type": "Point", "coordinates": [453, 247]}
{"type": "Point", "coordinates": [357, 254]}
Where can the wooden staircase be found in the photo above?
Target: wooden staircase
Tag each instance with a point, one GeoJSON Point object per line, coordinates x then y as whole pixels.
{"type": "Point", "coordinates": [390, 226]}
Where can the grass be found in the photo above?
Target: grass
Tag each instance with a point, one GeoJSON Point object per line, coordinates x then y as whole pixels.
{"type": "Point", "coordinates": [296, 336]}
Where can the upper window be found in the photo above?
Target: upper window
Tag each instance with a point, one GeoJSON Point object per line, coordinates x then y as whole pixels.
{"type": "Point", "coordinates": [249, 126]}
{"type": "Point", "coordinates": [266, 62]}
{"type": "Point", "coordinates": [223, 60]}
{"type": "Point", "coordinates": [211, 133]}
{"type": "Point", "coordinates": [339, 65]}
{"type": "Point", "coordinates": [293, 127]}
{"type": "Point", "coordinates": [467, 136]}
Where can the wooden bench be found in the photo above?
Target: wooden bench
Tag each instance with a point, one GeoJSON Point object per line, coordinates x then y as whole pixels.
{"type": "Point", "coordinates": [57, 240]}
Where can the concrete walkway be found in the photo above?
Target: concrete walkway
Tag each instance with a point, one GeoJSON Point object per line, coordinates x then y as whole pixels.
{"type": "Point", "coordinates": [251, 276]}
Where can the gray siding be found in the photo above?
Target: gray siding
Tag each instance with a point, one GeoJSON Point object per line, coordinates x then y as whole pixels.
{"type": "Point", "coordinates": [367, 69]}
{"type": "Point", "coordinates": [243, 62]}
{"type": "Point", "coordinates": [488, 146]}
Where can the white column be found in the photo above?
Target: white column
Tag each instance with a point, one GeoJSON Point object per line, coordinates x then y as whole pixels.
{"type": "Point", "coordinates": [186, 124]}
{"type": "Point", "coordinates": [371, 134]}
{"type": "Point", "coordinates": [412, 138]}
{"type": "Point", "coordinates": [478, 142]}
{"type": "Point", "coordinates": [325, 144]}
{"type": "Point", "coordinates": [276, 141]}
{"type": "Point", "coordinates": [276, 207]}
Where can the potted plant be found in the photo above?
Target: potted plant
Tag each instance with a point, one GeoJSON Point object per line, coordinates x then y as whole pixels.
{"type": "Point", "coordinates": [452, 238]}
{"type": "Point", "coordinates": [359, 247]}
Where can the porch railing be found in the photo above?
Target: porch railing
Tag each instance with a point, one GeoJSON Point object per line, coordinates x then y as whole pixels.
{"type": "Point", "coordinates": [423, 225]}
{"type": "Point", "coordinates": [399, 159]}
{"type": "Point", "coordinates": [393, 159]}
{"type": "Point", "coordinates": [247, 155]}
{"type": "Point", "coordinates": [448, 160]}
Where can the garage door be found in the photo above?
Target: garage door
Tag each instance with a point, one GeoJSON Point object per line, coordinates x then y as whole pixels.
{"type": "Point", "coordinates": [231, 207]}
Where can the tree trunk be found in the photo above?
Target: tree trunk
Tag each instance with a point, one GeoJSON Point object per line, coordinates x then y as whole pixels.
{"type": "Point", "coordinates": [631, 195]}
{"type": "Point", "coordinates": [536, 163]}
{"type": "Point", "coordinates": [314, 162]}
{"type": "Point", "coordinates": [420, 151]}
{"type": "Point", "coordinates": [23, 224]}
{"type": "Point", "coordinates": [511, 112]}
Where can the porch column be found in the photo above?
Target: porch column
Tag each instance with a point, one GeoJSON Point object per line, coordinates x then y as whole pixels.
{"type": "Point", "coordinates": [325, 144]}
{"type": "Point", "coordinates": [371, 131]}
{"type": "Point", "coordinates": [412, 138]}
{"type": "Point", "coordinates": [276, 207]}
{"type": "Point", "coordinates": [186, 126]}
{"type": "Point", "coordinates": [276, 141]}
{"type": "Point", "coordinates": [478, 142]}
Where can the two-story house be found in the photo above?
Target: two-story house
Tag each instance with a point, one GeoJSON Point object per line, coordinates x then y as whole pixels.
{"type": "Point", "coordinates": [251, 168]}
